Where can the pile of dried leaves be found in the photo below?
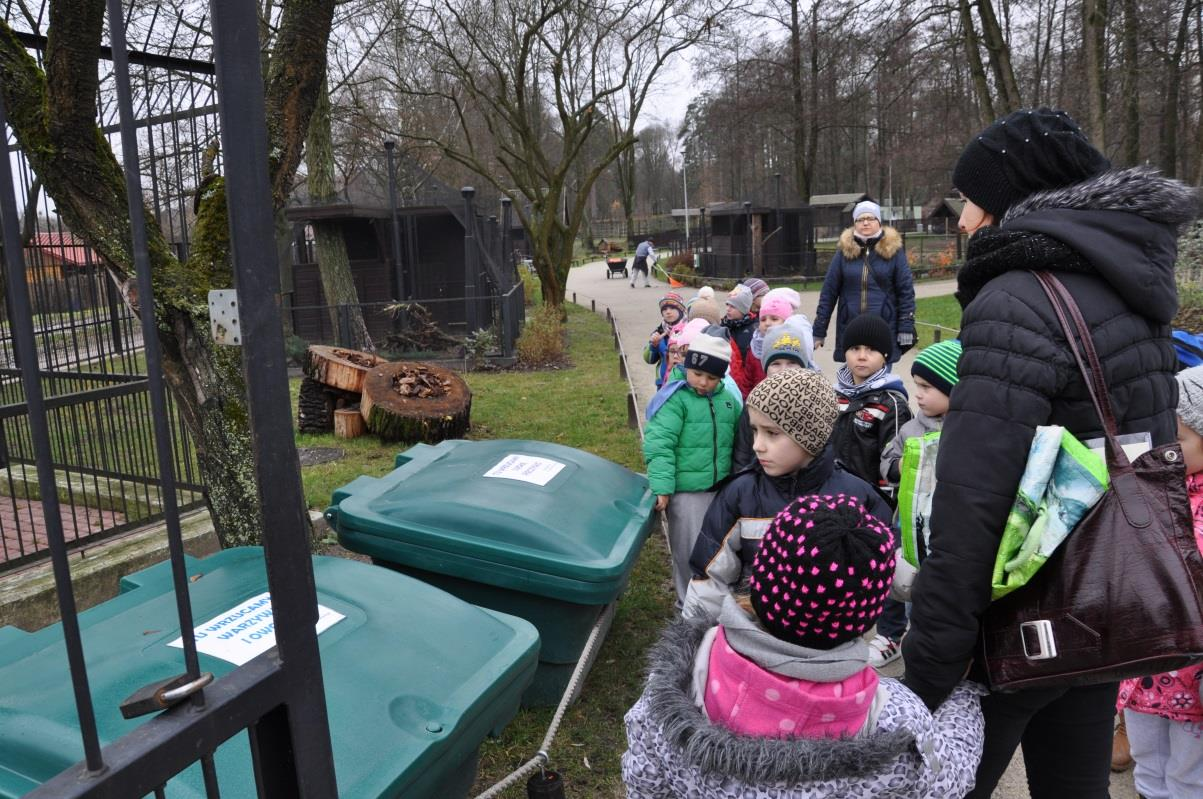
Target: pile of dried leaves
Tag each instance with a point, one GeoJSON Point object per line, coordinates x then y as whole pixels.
{"type": "Point", "coordinates": [357, 358]}
{"type": "Point", "coordinates": [420, 383]}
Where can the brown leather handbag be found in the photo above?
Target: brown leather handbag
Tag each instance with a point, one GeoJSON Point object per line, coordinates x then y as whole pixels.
{"type": "Point", "coordinates": [1121, 596]}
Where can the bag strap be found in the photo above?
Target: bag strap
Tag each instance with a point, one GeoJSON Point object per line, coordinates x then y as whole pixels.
{"type": "Point", "coordinates": [1132, 500]}
{"type": "Point", "coordinates": [1092, 371]}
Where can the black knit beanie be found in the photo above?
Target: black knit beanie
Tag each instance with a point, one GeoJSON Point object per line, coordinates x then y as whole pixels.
{"type": "Point", "coordinates": [1023, 153]}
{"type": "Point", "coordinates": [872, 331]}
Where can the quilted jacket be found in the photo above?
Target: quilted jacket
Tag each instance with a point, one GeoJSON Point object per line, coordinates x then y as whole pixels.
{"type": "Point", "coordinates": [1112, 241]}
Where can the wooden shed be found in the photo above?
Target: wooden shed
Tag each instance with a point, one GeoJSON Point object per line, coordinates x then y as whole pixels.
{"type": "Point", "coordinates": [757, 240]}
{"type": "Point", "coordinates": [833, 212]}
{"type": "Point", "coordinates": [943, 216]}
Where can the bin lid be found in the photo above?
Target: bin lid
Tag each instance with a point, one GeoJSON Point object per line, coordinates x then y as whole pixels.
{"type": "Point", "coordinates": [542, 517]}
{"type": "Point", "coordinates": [415, 679]}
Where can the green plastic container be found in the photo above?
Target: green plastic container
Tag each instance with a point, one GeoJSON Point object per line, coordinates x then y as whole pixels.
{"type": "Point", "coordinates": [415, 679]}
{"type": "Point", "coordinates": [542, 531]}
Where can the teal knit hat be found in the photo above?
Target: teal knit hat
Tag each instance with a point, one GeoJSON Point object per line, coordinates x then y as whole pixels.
{"type": "Point", "coordinates": [937, 364]}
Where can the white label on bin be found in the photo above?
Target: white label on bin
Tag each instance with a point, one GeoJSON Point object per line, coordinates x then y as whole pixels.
{"type": "Point", "coordinates": [527, 468]}
{"type": "Point", "coordinates": [243, 632]}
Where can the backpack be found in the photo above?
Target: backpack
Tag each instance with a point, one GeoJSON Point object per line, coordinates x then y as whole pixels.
{"type": "Point", "coordinates": [1189, 347]}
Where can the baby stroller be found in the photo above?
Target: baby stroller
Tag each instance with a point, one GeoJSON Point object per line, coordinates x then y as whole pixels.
{"type": "Point", "coordinates": [616, 266]}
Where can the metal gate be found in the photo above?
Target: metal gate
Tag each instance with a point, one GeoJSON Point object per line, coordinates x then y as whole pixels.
{"type": "Point", "coordinates": [278, 698]}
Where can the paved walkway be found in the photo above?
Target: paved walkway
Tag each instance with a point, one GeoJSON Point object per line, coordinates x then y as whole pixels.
{"type": "Point", "coordinates": [636, 312]}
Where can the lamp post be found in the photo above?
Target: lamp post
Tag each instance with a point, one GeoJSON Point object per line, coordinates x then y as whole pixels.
{"type": "Point", "coordinates": [748, 228]}
{"type": "Point", "coordinates": [398, 275]}
{"type": "Point", "coordinates": [685, 191]}
{"type": "Point", "coordinates": [469, 260]}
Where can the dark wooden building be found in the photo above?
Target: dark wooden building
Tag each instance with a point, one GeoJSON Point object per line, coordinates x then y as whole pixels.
{"type": "Point", "coordinates": [833, 212]}
{"type": "Point", "coordinates": [431, 270]}
{"type": "Point", "coordinates": [757, 240]}
{"type": "Point", "coordinates": [943, 215]}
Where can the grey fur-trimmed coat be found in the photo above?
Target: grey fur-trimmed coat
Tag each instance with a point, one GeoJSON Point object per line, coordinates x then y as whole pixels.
{"type": "Point", "coordinates": [675, 751]}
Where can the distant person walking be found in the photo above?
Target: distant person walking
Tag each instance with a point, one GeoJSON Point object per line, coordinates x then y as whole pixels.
{"type": "Point", "coordinates": [645, 256]}
{"type": "Point", "coordinates": [869, 274]}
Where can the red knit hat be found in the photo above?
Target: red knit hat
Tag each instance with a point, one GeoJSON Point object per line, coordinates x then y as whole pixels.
{"type": "Point", "coordinates": [823, 571]}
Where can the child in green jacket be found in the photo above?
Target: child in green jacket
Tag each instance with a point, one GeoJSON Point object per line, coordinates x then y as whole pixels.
{"type": "Point", "coordinates": [687, 446]}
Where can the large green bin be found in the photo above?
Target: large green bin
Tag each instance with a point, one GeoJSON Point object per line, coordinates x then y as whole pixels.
{"type": "Point", "coordinates": [415, 679]}
{"type": "Point", "coordinates": [539, 530]}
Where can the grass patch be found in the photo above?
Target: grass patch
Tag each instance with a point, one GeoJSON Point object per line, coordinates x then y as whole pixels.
{"type": "Point", "coordinates": [936, 313]}
{"type": "Point", "coordinates": [582, 405]}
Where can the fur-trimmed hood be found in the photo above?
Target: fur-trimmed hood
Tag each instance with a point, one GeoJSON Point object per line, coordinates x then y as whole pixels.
{"type": "Point", "coordinates": [887, 246]}
{"type": "Point", "coordinates": [1138, 190]}
{"type": "Point", "coordinates": [716, 750]}
{"type": "Point", "coordinates": [1121, 225]}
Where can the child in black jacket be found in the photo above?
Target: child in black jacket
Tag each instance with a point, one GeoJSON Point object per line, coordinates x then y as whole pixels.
{"type": "Point", "coordinates": [873, 408]}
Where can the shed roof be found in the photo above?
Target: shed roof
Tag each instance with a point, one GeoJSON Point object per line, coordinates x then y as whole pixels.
{"type": "Point", "coordinates": [845, 201]}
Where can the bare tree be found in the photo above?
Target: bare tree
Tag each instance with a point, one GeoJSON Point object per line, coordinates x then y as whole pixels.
{"type": "Point", "coordinates": [52, 113]}
{"type": "Point", "coordinates": [334, 267]}
{"type": "Point", "coordinates": [528, 84]}
{"type": "Point", "coordinates": [1094, 40]}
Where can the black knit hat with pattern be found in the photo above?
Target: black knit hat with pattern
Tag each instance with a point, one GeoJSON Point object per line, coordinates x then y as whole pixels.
{"type": "Point", "coordinates": [823, 571]}
{"type": "Point", "coordinates": [1023, 153]}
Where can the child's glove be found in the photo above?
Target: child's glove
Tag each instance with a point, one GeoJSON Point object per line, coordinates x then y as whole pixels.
{"type": "Point", "coordinates": [906, 341]}
{"type": "Point", "coordinates": [904, 578]}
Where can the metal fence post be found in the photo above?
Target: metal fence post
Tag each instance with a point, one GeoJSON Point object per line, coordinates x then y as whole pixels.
{"type": "Point", "coordinates": [398, 274]}
{"type": "Point", "coordinates": [296, 736]}
{"type": "Point", "coordinates": [470, 322]}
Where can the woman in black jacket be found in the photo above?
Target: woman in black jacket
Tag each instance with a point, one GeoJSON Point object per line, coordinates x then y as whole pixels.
{"type": "Point", "coordinates": [1040, 197]}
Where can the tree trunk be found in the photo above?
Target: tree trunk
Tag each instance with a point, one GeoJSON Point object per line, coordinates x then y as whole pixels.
{"type": "Point", "coordinates": [1094, 40]}
{"type": "Point", "coordinates": [333, 266]}
{"type": "Point", "coordinates": [1168, 149]}
{"type": "Point", "coordinates": [798, 112]}
{"type": "Point", "coordinates": [1131, 83]}
{"type": "Point", "coordinates": [976, 69]}
{"type": "Point", "coordinates": [1199, 59]}
{"type": "Point", "coordinates": [624, 170]}
{"type": "Point", "coordinates": [1000, 59]}
{"type": "Point", "coordinates": [342, 369]}
{"type": "Point", "coordinates": [53, 116]}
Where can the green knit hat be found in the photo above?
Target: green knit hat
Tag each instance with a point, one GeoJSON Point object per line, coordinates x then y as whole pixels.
{"type": "Point", "coordinates": [937, 364]}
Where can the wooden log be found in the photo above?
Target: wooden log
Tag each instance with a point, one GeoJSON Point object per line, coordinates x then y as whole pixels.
{"type": "Point", "coordinates": [349, 423]}
{"type": "Point", "coordinates": [339, 367]}
{"type": "Point", "coordinates": [429, 419]}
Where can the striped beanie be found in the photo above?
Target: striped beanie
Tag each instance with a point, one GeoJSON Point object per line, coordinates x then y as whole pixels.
{"type": "Point", "coordinates": [759, 287]}
{"type": "Point", "coordinates": [674, 300]}
{"type": "Point", "coordinates": [937, 365]}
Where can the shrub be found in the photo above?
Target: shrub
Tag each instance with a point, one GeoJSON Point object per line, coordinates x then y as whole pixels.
{"type": "Point", "coordinates": [542, 339]}
{"type": "Point", "coordinates": [295, 348]}
{"type": "Point", "coordinates": [478, 345]}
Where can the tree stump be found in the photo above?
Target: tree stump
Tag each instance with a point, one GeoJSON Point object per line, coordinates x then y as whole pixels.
{"type": "Point", "coordinates": [338, 367]}
{"type": "Point", "coordinates": [317, 403]}
{"type": "Point", "coordinates": [414, 402]}
{"type": "Point", "coordinates": [348, 423]}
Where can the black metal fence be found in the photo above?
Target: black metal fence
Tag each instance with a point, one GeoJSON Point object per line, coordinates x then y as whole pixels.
{"type": "Point", "coordinates": [389, 323]}
{"type": "Point", "coordinates": [92, 368]}
{"type": "Point", "coordinates": [277, 698]}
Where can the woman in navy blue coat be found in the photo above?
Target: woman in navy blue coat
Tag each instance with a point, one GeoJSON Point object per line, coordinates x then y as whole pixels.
{"type": "Point", "coordinates": [869, 274]}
